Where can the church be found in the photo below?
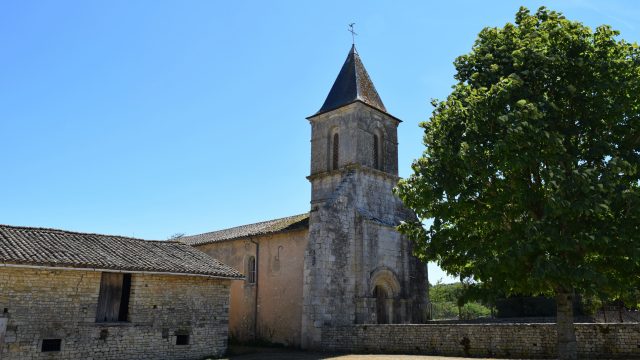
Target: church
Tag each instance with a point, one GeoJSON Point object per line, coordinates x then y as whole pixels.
{"type": "Point", "coordinates": [343, 262]}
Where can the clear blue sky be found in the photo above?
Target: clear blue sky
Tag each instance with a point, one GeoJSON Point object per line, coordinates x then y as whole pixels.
{"type": "Point", "coordinates": [147, 118]}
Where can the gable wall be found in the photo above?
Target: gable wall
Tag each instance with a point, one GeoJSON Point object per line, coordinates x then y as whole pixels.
{"type": "Point", "coordinates": [61, 304]}
{"type": "Point", "coordinates": [279, 286]}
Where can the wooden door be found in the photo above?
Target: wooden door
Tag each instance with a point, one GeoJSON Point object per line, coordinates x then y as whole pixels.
{"type": "Point", "coordinates": [110, 296]}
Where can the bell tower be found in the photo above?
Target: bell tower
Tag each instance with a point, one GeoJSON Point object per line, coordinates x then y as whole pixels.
{"type": "Point", "coordinates": [357, 268]}
{"type": "Point", "coordinates": [353, 127]}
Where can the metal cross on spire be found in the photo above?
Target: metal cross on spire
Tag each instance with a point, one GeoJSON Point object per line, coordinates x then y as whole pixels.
{"type": "Point", "coordinates": [353, 33]}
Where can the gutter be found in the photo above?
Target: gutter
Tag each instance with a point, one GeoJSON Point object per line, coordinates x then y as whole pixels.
{"type": "Point", "coordinates": [44, 267]}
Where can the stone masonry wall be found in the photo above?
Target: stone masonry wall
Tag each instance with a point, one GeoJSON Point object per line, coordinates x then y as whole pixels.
{"type": "Point", "coordinates": [279, 278]}
{"type": "Point", "coordinates": [595, 341]}
{"type": "Point", "coordinates": [61, 304]}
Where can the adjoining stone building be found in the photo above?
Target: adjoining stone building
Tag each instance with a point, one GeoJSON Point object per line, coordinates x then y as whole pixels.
{"type": "Point", "coordinates": [69, 295]}
{"type": "Point", "coordinates": [343, 263]}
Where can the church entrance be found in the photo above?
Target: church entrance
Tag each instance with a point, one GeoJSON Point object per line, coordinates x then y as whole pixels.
{"type": "Point", "coordinates": [381, 304]}
{"type": "Point", "coordinates": [385, 292]}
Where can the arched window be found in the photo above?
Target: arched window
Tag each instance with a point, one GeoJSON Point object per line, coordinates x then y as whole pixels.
{"type": "Point", "coordinates": [376, 152]}
{"type": "Point", "coordinates": [336, 147]}
{"type": "Point", "coordinates": [251, 270]}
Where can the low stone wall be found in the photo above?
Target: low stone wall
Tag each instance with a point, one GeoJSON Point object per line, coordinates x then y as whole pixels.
{"type": "Point", "coordinates": [595, 341]}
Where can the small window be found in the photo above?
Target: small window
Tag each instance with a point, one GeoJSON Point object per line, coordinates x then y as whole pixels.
{"type": "Point", "coordinates": [182, 339]}
{"type": "Point", "coordinates": [376, 152]}
{"type": "Point", "coordinates": [251, 270]}
{"type": "Point", "coordinates": [49, 345]}
{"type": "Point", "coordinates": [336, 150]}
{"type": "Point", "coordinates": [113, 301]}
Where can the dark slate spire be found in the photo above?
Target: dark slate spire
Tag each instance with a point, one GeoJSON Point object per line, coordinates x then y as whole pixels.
{"type": "Point", "coordinates": [352, 84]}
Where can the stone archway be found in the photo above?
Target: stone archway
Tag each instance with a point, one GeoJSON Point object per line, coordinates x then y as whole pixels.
{"type": "Point", "coordinates": [385, 289]}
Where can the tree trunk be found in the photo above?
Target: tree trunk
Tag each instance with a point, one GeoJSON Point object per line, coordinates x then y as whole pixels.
{"type": "Point", "coordinates": [567, 346]}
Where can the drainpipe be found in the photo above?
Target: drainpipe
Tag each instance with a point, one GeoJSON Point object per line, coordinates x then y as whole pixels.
{"type": "Point", "coordinates": [255, 302]}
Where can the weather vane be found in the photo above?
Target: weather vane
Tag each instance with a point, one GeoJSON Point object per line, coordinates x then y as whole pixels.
{"type": "Point", "coordinates": [353, 33]}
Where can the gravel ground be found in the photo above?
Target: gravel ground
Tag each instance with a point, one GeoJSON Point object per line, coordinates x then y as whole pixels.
{"type": "Point", "coordinates": [251, 353]}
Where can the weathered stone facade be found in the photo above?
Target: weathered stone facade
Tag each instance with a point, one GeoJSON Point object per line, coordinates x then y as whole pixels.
{"type": "Point", "coordinates": [358, 268]}
{"type": "Point", "coordinates": [522, 341]}
{"type": "Point", "coordinates": [39, 304]}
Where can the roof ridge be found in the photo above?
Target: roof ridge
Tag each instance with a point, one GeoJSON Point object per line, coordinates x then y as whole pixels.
{"type": "Point", "coordinates": [243, 225]}
{"type": "Point", "coordinates": [287, 223]}
{"type": "Point", "coordinates": [79, 232]}
{"type": "Point", "coordinates": [48, 247]}
{"type": "Point", "coordinates": [356, 57]}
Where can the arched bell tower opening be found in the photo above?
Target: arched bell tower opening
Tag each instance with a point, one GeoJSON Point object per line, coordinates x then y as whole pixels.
{"type": "Point", "coordinates": [376, 151]}
{"type": "Point", "coordinates": [335, 152]}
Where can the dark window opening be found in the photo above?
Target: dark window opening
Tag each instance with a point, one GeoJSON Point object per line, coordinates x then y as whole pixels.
{"type": "Point", "coordinates": [51, 345]}
{"type": "Point", "coordinates": [182, 339]}
{"type": "Point", "coordinates": [251, 270]}
{"type": "Point", "coordinates": [113, 301]}
{"type": "Point", "coordinates": [6, 310]}
{"type": "Point", "coordinates": [376, 152]}
{"type": "Point", "coordinates": [123, 314]}
{"type": "Point", "coordinates": [336, 149]}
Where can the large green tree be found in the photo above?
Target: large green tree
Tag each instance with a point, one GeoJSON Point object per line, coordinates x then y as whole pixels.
{"type": "Point", "coordinates": [532, 165]}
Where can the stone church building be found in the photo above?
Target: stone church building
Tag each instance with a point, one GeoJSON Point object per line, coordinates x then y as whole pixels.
{"type": "Point", "coordinates": [342, 263]}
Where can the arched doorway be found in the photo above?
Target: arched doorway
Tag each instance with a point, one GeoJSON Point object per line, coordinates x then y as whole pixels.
{"type": "Point", "coordinates": [381, 297]}
{"type": "Point", "coordinates": [385, 290]}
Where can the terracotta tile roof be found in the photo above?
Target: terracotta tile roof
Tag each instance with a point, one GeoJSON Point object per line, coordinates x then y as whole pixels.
{"type": "Point", "coordinates": [60, 248]}
{"type": "Point", "coordinates": [266, 227]}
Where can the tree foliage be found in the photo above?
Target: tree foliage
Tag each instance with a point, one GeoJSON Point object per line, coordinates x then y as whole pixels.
{"type": "Point", "coordinates": [445, 292]}
{"type": "Point", "coordinates": [448, 303]}
{"type": "Point", "coordinates": [532, 164]}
